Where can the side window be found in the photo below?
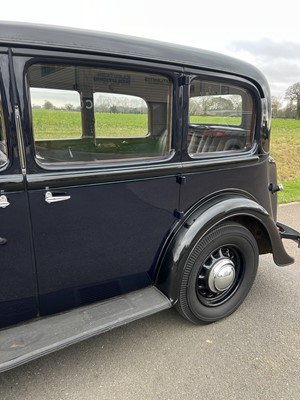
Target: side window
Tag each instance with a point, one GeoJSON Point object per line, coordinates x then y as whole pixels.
{"type": "Point", "coordinates": [221, 118]}
{"type": "Point", "coordinates": [3, 142]}
{"type": "Point", "coordinates": [84, 114]}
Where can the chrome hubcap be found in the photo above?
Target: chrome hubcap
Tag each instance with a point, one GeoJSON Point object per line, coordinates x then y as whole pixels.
{"type": "Point", "coordinates": [221, 275]}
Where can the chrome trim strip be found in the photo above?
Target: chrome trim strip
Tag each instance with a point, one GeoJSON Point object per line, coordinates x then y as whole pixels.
{"type": "Point", "coordinates": [21, 148]}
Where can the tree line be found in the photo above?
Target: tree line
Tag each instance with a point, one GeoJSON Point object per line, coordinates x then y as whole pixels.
{"type": "Point", "coordinates": [117, 104]}
{"type": "Point", "coordinates": [226, 105]}
{"type": "Point", "coordinates": [289, 107]}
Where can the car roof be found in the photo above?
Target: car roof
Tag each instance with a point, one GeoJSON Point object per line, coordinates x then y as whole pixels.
{"type": "Point", "coordinates": [16, 34]}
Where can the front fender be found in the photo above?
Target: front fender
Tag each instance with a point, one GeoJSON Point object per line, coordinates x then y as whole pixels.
{"type": "Point", "coordinates": [214, 211]}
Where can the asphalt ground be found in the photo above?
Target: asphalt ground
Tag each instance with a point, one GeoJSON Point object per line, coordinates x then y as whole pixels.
{"type": "Point", "coordinates": [253, 354]}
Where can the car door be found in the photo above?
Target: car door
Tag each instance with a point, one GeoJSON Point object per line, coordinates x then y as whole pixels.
{"type": "Point", "coordinates": [102, 187]}
{"type": "Point", "coordinates": [18, 296]}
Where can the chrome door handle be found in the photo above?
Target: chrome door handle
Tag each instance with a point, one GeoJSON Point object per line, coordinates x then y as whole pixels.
{"type": "Point", "coordinates": [52, 198]}
{"type": "Point", "coordinates": [4, 202]}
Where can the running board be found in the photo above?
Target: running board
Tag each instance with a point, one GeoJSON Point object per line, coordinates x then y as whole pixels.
{"type": "Point", "coordinates": [26, 342]}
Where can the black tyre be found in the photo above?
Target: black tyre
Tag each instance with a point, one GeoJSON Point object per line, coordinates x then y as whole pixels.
{"type": "Point", "coordinates": [218, 274]}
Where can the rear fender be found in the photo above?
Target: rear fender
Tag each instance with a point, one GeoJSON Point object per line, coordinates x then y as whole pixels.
{"type": "Point", "coordinates": [221, 208]}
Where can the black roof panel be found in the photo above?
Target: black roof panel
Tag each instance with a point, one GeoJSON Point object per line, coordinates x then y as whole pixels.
{"type": "Point", "coordinates": [16, 34]}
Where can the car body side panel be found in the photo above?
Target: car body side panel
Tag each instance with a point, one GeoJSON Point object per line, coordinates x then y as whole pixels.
{"type": "Point", "coordinates": [100, 243]}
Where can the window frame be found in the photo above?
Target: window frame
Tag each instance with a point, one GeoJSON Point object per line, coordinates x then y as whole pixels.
{"type": "Point", "coordinates": [117, 65]}
{"type": "Point", "coordinates": [224, 79]}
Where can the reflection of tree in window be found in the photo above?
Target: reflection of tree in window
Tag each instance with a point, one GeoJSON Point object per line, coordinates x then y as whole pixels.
{"type": "Point", "coordinates": [220, 118]}
{"type": "Point", "coordinates": [3, 144]}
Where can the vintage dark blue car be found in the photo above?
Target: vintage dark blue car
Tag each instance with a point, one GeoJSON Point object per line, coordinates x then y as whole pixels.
{"type": "Point", "coordinates": [134, 175]}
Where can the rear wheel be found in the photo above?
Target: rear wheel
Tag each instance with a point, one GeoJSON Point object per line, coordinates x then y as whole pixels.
{"type": "Point", "coordinates": [218, 273]}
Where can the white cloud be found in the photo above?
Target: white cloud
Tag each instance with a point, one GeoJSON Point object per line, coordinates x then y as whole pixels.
{"type": "Point", "coordinates": [279, 61]}
{"type": "Point", "coordinates": [258, 32]}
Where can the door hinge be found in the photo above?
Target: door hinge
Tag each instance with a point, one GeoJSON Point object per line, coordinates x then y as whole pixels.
{"type": "Point", "coordinates": [181, 180]}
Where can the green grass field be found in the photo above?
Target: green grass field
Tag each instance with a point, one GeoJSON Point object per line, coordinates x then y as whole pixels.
{"type": "Point", "coordinates": [58, 124]}
{"type": "Point", "coordinates": [285, 138]}
{"type": "Point", "coordinates": [285, 149]}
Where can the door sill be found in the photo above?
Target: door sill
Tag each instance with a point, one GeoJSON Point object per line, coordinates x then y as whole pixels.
{"type": "Point", "coordinates": [26, 342]}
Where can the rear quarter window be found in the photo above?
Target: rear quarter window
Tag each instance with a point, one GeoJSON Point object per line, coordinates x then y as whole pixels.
{"type": "Point", "coordinates": [221, 118]}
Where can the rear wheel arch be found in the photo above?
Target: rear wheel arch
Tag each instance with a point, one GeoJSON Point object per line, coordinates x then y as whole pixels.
{"type": "Point", "coordinates": [258, 230]}
{"type": "Point", "coordinates": [207, 217]}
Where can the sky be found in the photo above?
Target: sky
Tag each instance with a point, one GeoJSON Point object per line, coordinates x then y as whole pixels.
{"type": "Point", "coordinates": [262, 32]}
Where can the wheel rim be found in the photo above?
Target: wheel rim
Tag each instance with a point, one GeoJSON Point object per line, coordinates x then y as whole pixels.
{"type": "Point", "coordinates": [219, 276]}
